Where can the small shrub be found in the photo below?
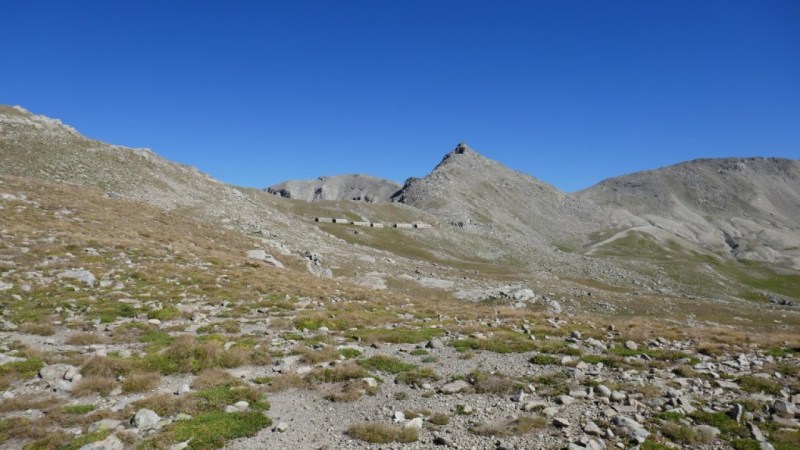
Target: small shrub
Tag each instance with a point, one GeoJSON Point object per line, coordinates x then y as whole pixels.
{"type": "Point", "coordinates": [386, 364]}
{"type": "Point", "coordinates": [544, 360]}
{"type": "Point", "coordinates": [416, 377]}
{"type": "Point", "coordinates": [492, 383]}
{"type": "Point", "coordinates": [376, 433]}
{"type": "Point", "coordinates": [349, 353]}
{"type": "Point", "coordinates": [312, 356]}
{"type": "Point", "coordinates": [283, 382]}
{"type": "Point", "coordinates": [94, 385]}
{"type": "Point", "coordinates": [439, 419]}
{"type": "Point", "coordinates": [339, 373]}
{"type": "Point", "coordinates": [350, 391]}
{"type": "Point", "coordinates": [141, 381]}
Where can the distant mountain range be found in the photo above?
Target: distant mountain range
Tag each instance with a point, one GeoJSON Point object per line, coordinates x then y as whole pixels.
{"type": "Point", "coordinates": [731, 209]}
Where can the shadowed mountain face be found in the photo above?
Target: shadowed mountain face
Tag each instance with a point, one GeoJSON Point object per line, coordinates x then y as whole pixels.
{"type": "Point", "coordinates": [748, 207]}
{"type": "Point", "coordinates": [469, 190]}
{"type": "Point", "coordinates": [340, 187]}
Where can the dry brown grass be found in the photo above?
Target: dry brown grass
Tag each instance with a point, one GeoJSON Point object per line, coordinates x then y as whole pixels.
{"type": "Point", "coordinates": [316, 356]}
{"type": "Point", "coordinates": [377, 433]}
{"type": "Point", "coordinates": [23, 402]}
{"type": "Point", "coordinates": [83, 338]}
{"type": "Point", "coordinates": [350, 391]}
{"type": "Point", "coordinates": [212, 377]}
{"type": "Point", "coordinates": [40, 329]}
{"type": "Point", "coordinates": [284, 382]}
{"type": "Point", "coordinates": [19, 428]}
{"type": "Point", "coordinates": [94, 385]}
{"type": "Point", "coordinates": [141, 381]}
{"type": "Point", "coordinates": [341, 372]}
{"type": "Point", "coordinates": [106, 367]}
{"type": "Point", "coordinates": [165, 404]}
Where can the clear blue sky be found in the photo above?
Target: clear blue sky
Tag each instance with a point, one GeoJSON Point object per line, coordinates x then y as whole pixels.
{"type": "Point", "coordinates": [571, 92]}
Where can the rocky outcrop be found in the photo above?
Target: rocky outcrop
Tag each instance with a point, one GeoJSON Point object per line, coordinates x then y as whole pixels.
{"type": "Point", "coordinates": [341, 187]}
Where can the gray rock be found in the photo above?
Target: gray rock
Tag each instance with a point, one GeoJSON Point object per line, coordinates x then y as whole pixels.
{"type": "Point", "coordinates": [112, 442]}
{"type": "Point", "coordinates": [707, 431]}
{"type": "Point", "coordinates": [565, 400]}
{"type": "Point", "coordinates": [281, 427]}
{"type": "Point", "coordinates": [440, 439]}
{"type": "Point", "coordinates": [263, 256]}
{"type": "Point", "coordinates": [84, 276]}
{"type": "Point", "coordinates": [592, 429]}
{"type": "Point", "coordinates": [630, 345]}
{"type": "Point", "coordinates": [631, 428]}
{"type": "Point", "coordinates": [784, 409]}
{"type": "Point", "coordinates": [435, 344]}
{"type": "Point", "coordinates": [561, 422]}
{"type": "Point", "coordinates": [105, 424]}
{"type": "Point", "coordinates": [56, 372]}
{"type": "Point", "coordinates": [145, 419]}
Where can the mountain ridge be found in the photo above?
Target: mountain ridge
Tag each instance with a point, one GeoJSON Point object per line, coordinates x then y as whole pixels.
{"type": "Point", "coordinates": [357, 187]}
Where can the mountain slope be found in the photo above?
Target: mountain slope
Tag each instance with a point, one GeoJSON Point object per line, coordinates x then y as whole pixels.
{"type": "Point", "coordinates": [472, 191]}
{"type": "Point", "coordinates": [747, 207]}
{"type": "Point", "coordinates": [340, 187]}
{"type": "Point", "coordinates": [40, 147]}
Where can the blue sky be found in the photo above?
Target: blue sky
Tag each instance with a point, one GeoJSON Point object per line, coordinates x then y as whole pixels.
{"type": "Point", "coordinates": [571, 92]}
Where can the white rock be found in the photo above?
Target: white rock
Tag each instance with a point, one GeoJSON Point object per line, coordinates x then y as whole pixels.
{"type": "Point", "coordinates": [415, 423]}
{"type": "Point", "coordinates": [455, 387]}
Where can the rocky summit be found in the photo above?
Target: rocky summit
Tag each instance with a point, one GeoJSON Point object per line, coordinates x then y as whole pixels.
{"type": "Point", "coordinates": [144, 304]}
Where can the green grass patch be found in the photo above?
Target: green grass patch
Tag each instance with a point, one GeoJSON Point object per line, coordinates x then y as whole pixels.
{"type": "Point", "coordinates": [722, 422]}
{"type": "Point", "coordinates": [22, 369]}
{"type": "Point", "coordinates": [349, 352]}
{"type": "Point", "coordinates": [386, 364]}
{"type": "Point", "coordinates": [544, 360]}
{"type": "Point", "coordinates": [87, 439]}
{"type": "Point", "coordinates": [226, 394]}
{"type": "Point", "coordinates": [752, 384]}
{"type": "Point", "coordinates": [156, 340]}
{"type": "Point", "coordinates": [657, 354]}
{"type": "Point", "coordinates": [212, 429]}
{"type": "Point", "coordinates": [397, 335]}
{"type": "Point", "coordinates": [164, 314]}
{"type": "Point", "coordinates": [79, 409]}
